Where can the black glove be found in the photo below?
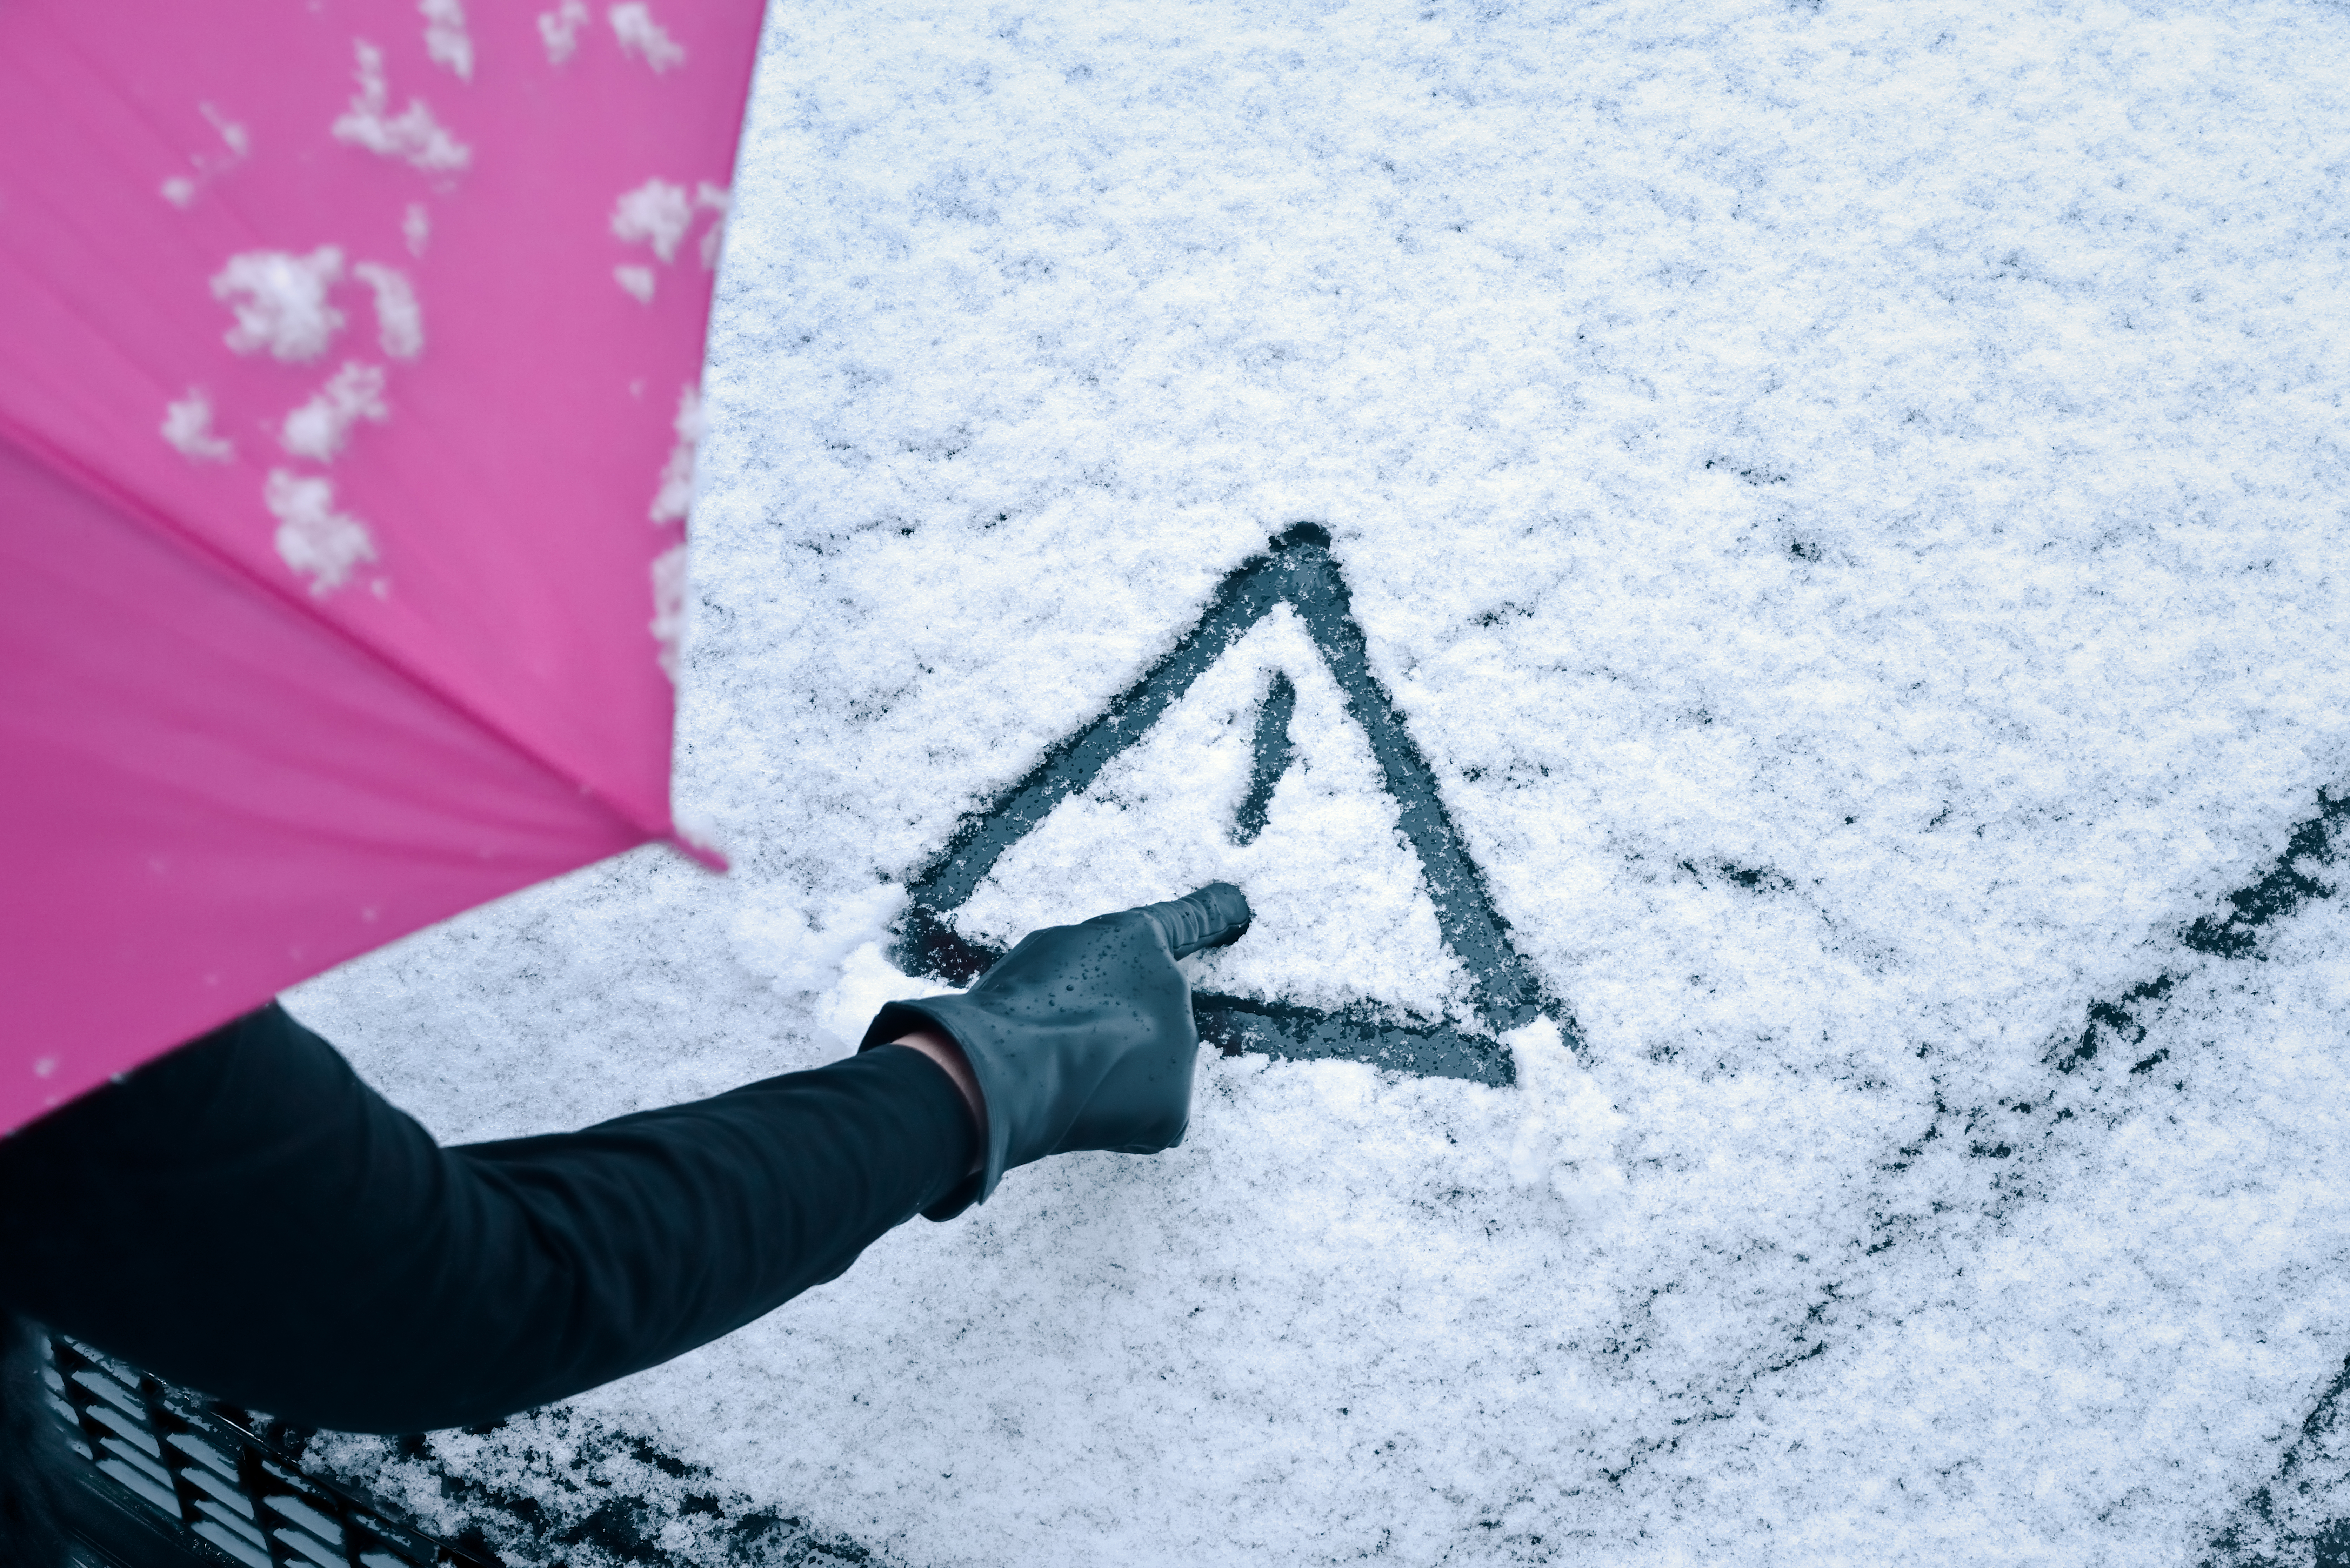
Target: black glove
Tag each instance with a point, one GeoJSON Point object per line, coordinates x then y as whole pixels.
{"type": "Point", "coordinates": [1081, 1037]}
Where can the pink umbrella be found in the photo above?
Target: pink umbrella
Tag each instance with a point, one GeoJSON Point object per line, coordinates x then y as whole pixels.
{"type": "Point", "coordinates": [347, 365]}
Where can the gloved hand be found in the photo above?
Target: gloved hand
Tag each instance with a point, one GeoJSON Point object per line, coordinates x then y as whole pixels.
{"type": "Point", "coordinates": [1081, 1037]}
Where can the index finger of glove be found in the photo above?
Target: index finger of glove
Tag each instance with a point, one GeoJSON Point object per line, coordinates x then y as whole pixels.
{"type": "Point", "coordinates": [1212, 916]}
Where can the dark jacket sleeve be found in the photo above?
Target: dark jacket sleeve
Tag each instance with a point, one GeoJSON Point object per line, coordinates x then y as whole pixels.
{"type": "Point", "coordinates": [245, 1217]}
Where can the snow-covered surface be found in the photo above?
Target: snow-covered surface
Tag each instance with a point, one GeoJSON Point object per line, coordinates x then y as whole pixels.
{"type": "Point", "coordinates": [1892, 450]}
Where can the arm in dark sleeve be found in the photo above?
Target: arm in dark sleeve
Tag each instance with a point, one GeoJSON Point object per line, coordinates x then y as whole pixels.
{"type": "Point", "coordinates": [245, 1217]}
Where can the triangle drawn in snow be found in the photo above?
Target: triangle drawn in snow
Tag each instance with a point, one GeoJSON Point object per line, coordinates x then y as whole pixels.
{"type": "Point", "coordinates": [1257, 775]}
{"type": "Point", "coordinates": [1493, 989]}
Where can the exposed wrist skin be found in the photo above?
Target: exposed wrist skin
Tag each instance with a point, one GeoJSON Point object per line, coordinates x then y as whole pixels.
{"type": "Point", "coordinates": [940, 1047]}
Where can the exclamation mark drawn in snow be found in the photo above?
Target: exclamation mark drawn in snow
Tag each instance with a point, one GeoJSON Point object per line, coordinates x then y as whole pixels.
{"type": "Point", "coordinates": [1500, 992]}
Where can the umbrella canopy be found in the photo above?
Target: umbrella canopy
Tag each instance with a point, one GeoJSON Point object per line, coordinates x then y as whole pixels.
{"type": "Point", "coordinates": [348, 358]}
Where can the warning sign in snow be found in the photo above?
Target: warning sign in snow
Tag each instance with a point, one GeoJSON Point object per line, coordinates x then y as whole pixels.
{"type": "Point", "coordinates": [1375, 938]}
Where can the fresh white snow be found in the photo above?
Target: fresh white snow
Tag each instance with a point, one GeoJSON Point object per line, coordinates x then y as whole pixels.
{"type": "Point", "coordinates": [321, 428]}
{"type": "Point", "coordinates": [638, 33]}
{"type": "Point", "coordinates": [312, 536]}
{"type": "Point", "coordinates": [673, 501]}
{"type": "Point", "coordinates": [182, 190]}
{"type": "Point", "coordinates": [399, 319]}
{"type": "Point", "coordinates": [188, 427]}
{"type": "Point", "coordinates": [281, 302]}
{"type": "Point", "coordinates": [446, 41]}
{"type": "Point", "coordinates": [637, 282]}
{"type": "Point", "coordinates": [413, 136]}
{"type": "Point", "coordinates": [656, 212]}
{"type": "Point", "coordinates": [1848, 497]}
{"type": "Point", "coordinates": [559, 30]}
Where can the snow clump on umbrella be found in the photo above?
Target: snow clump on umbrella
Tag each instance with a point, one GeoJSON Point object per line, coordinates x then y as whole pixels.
{"type": "Point", "coordinates": [280, 301]}
{"type": "Point", "coordinates": [413, 136]}
{"type": "Point", "coordinates": [321, 428]}
{"type": "Point", "coordinates": [399, 319]}
{"type": "Point", "coordinates": [312, 536]}
{"type": "Point", "coordinates": [639, 35]}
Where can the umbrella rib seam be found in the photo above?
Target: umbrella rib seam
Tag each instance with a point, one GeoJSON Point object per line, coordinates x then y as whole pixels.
{"type": "Point", "coordinates": [71, 469]}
